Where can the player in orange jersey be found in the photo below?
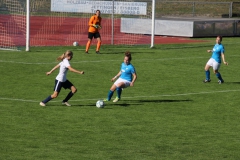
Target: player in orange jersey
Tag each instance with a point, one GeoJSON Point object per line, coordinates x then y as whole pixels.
{"type": "Point", "coordinates": [94, 25]}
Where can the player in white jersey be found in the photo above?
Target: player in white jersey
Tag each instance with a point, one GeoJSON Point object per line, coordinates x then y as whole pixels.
{"type": "Point", "coordinates": [127, 76]}
{"type": "Point", "coordinates": [215, 61]}
{"type": "Point", "coordinates": [61, 79]}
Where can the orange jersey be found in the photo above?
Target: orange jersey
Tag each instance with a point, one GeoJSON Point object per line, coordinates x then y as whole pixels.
{"type": "Point", "coordinates": [94, 20]}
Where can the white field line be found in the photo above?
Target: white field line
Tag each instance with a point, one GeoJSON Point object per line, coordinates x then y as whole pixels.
{"type": "Point", "coordinates": [134, 97]}
{"type": "Point", "coordinates": [161, 59]}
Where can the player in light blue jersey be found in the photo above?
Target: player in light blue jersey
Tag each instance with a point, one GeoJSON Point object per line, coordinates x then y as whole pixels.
{"type": "Point", "coordinates": [215, 61]}
{"type": "Point", "coordinates": [61, 80]}
{"type": "Point", "coordinates": [127, 76]}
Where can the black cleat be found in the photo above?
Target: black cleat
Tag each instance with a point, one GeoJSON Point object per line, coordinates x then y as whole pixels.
{"type": "Point", "coordinates": [97, 52]}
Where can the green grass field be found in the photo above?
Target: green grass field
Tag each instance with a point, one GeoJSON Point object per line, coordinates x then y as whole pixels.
{"type": "Point", "coordinates": [170, 114]}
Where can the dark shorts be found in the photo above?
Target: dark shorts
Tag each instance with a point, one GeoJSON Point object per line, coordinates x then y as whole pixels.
{"type": "Point", "coordinates": [58, 85]}
{"type": "Point", "coordinates": [95, 35]}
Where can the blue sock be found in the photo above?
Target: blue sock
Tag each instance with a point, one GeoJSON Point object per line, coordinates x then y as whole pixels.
{"type": "Point", "coordinates": [207, 75]}
{"type": "Point", "coordinates": [110, 94]}
{"type": "Point", "coordinates": [219, 76]}
{"type": "Point", "coordinates": [119, 92]}
{"type": "Point", "coordinates": [47, 99]}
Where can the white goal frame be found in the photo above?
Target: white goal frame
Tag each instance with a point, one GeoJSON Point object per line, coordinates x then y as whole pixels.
{"type": "Point", "coordinates": [27, 25]}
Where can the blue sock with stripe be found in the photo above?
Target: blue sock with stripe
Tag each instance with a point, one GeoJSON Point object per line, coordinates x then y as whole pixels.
{"type": "Point", "coordinates": [119, 92]}
{"type": "Point", "coordinates": [207, 75]}
{"type": "Point", "coordinates": [110, 94]}
{"type": "Point", "coordinates": [219, 76]}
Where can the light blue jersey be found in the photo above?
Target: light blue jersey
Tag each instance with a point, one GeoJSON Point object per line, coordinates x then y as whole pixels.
{"type": "Point", "coordinates": [217, 50]}
{"type": "Point", "coordinates": [127, 71]}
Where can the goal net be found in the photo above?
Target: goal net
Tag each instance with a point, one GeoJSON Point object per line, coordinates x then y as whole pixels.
{"type": "Point", "coordinates": [12, 24]}
{"type": "Point", "coordinates": [62, 22]}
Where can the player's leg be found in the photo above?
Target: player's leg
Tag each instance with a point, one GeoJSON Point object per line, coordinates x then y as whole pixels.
{"type": "Point", "coordinates": [110, 93]}
{"type": "Point", "coordinates": [98, 43]}
{"type": "Point", "coordinates": [216, 67]}
{"type": "Point", "coordinates": [90, 37]}
{"type": "Point", "coordinates": [120, 84]}
{"type": "Point", "coordinates": [119, 88]}
{"type": "Point", "coordinates": [88, 45]}
{"type": "Point", "coordinates": [218, 75]}
{"type": "Point", "coordinates": [69, 85]}
{"type": "Point", "coordinates": [49, 98]}
{"type": "Point", "coordinates": [220, 80]}
{"type": "Point", "coordinates": [207, 72]}
{"type": "Point", "coordinates": [57, 89]}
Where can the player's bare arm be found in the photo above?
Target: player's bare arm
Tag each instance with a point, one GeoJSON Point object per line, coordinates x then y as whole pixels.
{"type": "Point", "coordinates": [134, 79]}
{"type": "Point", "coordinates": [223, 58]}
{"type": "Point", "coordinates": [74, 70]}
{"type": "Point", "coordinates": [115, 77]}
{"type": "Point", "coordinates": [54, 68]}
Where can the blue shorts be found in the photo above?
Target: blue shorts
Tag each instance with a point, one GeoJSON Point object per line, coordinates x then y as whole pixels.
{"type": "Point", "coordinates": [58, 85]}
{"type": "Point", "coordinates": [95, 35]}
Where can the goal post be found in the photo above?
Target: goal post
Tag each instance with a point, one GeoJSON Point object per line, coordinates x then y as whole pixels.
{"type": "Point", "coordinates": [153, 23]}
{"type": "Point", "coordinates": [27, 24]}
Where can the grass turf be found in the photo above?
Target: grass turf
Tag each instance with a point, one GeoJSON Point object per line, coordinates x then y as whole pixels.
{"type": "Point", "coordinates": [168, 114]}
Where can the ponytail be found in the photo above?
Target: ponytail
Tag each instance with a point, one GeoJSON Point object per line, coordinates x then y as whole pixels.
{"type": "Point", "coordinates": [64, 55]}
{"type": "Point", "coordinates": [60, 58]}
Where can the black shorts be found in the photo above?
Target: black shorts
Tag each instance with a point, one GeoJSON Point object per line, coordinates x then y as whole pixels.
{"type": "Point", "coordinates": [58, 85]}
{"type": "Point", "coordinates": [95, 35]}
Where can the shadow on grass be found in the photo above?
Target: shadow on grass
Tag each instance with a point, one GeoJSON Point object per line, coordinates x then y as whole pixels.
{"type": "Point", "coordinates": [123, 103]}
{"type": "Point", "coordinates": [141, 102]}
{"type": "Point", "coordinates": [112, 52]}
{"type": "Point", "coordinates": [110, 105]}
{"type": "Point", "coordinates": [231, 82]}
{"type": "Point", "coordinates": [161, 101]}
{"type": "Point", "coordinates": [106, 104]}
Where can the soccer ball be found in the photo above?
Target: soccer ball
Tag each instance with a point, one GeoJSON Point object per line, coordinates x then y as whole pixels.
{"type": "Point", "coordinates": [75, 43]}
{"type": "Point", "coordinates": [100, 104]}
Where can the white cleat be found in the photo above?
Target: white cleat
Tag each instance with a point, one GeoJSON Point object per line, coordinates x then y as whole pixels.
{"type": "Point", "coordinates": [66, 104]}
{"type": "Point", "coordinates": [116, 99]}
{"type": "Point", "coordinates": [42, 104]}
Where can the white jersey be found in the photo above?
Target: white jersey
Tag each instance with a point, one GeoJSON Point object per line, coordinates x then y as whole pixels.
{"type": "Point", "coordinates": [62, 75]}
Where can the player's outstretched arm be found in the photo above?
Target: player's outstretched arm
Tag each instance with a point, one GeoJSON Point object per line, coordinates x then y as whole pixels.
{"type": "Point", "coordinates": [74, 70]}
{"type": "Point", "coordinates": [54, 68]}
{"type": "Point", "coordinates": [115, 77]}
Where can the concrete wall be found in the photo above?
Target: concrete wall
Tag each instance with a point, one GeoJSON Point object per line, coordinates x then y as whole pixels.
{"type": "Point", "coordinates": [182, 27]}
